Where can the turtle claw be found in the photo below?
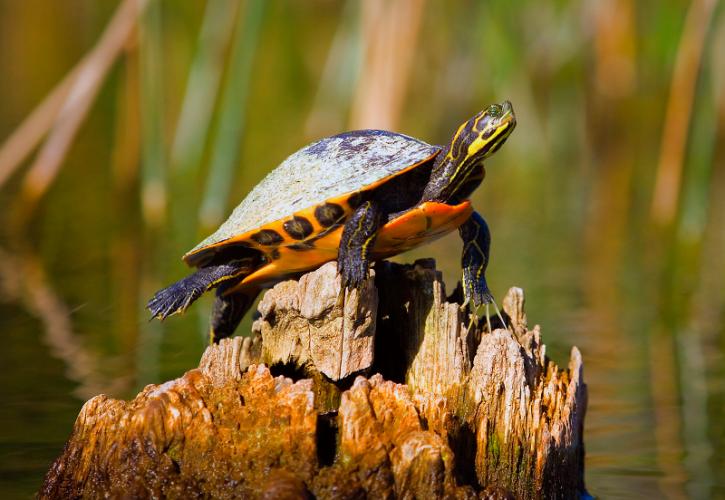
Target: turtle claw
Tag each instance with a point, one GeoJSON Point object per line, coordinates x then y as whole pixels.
{"type": "Point", "coordinates": [465, 304]}
{"type": "Point", "coordinates": [488, 319]}
{"type": "Point", "coordinates": [341, 296]}
{"type": "Point", "coordinates": [171, 300]}
{"type": "Point", "coordinates": [472, 320]}
{"type": "Point", "coordinates": [498, 313]}
{"type": "Point", "coordinates": [484, 298]}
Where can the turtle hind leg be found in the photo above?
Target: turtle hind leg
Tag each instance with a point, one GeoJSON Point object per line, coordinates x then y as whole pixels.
{"type": "Point", "coordinates": [176, 298]}
{"type": "Point", "coordinates": [358, 237]}
{"type": "Point", "coordinates": [172, 299]}
{"type": "Point", "coordinates": [228, 311]}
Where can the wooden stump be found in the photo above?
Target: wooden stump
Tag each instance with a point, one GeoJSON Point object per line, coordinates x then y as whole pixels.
{"type": "Point", "coordinates": [392, 392]}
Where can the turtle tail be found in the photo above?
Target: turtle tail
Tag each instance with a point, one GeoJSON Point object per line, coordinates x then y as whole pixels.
{"type": "Point", "coordinates": [176, 298]}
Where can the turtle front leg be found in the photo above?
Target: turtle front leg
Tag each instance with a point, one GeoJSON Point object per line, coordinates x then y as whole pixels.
{"type": "Point", "coordinates": [358, 237]}
{"type": "Point", "coordinates": [228, 311]}
{"type": "Point", "coordinates": [476, 246]}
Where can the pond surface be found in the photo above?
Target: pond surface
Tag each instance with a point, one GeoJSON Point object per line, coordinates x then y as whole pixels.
{"type": "Point", "coordinates": [567, 200]}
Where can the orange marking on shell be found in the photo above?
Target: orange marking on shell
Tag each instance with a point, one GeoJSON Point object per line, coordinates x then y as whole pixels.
{"type": "Point", "coordinates": [423, 224]}
{"type": "Point", "coordinates": [278, 226]}
{"type": "Point", "coordinates": [292, 261]}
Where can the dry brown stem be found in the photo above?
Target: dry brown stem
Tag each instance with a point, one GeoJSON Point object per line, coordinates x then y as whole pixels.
{"type": "Point", "coordinates": [66, 107]}
{"type": "Point", "coordinates": [679, 110]}
{"type": "Point", "coordinates": [390, 33]}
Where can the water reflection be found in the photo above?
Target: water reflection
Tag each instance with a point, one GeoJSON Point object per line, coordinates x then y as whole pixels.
{"type": "Point", "coordinates": [25, 286]}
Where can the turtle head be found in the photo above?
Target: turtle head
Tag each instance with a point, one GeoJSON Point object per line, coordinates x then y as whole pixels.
{"type": "Point", "coordinates": [482, 135]}
{"type": "Point", "coordinates": [459, 169]}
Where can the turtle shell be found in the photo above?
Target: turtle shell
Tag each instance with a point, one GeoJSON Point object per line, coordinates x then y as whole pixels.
{"type": "Point", "coordinates": [330, 168]}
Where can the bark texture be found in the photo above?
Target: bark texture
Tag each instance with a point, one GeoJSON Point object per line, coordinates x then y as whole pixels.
{"type": "Point", "coordinates": [393, 392]}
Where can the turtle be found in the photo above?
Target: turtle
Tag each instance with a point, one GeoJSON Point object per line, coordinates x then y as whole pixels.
{"type": "Point", "coordinates": [355, 197]}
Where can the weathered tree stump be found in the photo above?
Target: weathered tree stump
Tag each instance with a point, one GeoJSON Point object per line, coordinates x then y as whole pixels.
{"type": "Point", "coordinates": [390, 393]}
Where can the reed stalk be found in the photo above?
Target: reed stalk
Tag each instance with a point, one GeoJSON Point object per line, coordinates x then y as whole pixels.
{"type": "Point", "coordinates": [232, 115]}
{"type": "Point", "coordinates": [679, 111]}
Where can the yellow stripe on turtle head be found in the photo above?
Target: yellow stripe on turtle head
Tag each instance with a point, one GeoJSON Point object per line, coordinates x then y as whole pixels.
{"type": "Point", "coordinates": [483, 134]}
{"type": "Point", "coordinates": [475, 140]}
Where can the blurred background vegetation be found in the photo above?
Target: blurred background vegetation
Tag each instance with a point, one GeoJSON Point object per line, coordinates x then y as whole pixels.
{"type": "Point", "coordinates": [131, 128]}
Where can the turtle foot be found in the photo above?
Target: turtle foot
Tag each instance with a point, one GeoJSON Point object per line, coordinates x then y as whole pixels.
{"type": "Point", "coordinates": [173, 299]}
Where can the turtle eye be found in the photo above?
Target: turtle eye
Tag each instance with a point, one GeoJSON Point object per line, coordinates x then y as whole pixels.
{"type": "Point", "coordinates": [494, 111]}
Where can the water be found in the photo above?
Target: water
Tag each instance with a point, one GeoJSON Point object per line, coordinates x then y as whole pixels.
{"type": "Point", "coordinates": [567, 200]}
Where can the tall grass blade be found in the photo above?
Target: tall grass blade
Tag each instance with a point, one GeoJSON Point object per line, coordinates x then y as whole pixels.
{"type": "Point", "coordinates": [225, 150]}
{"type": "Point", "coordinates": [203, 85]}
{"type": "Point", "coordinates": [153, 177]}
{"type": "Point", "coordinates": [153, 170]}
{"type": "Point", "coordinates": [192, 130]}
{"type": "Point", "coordinates": [339, 76]}
{"type": "Point", "coordinates": [679, 111]}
